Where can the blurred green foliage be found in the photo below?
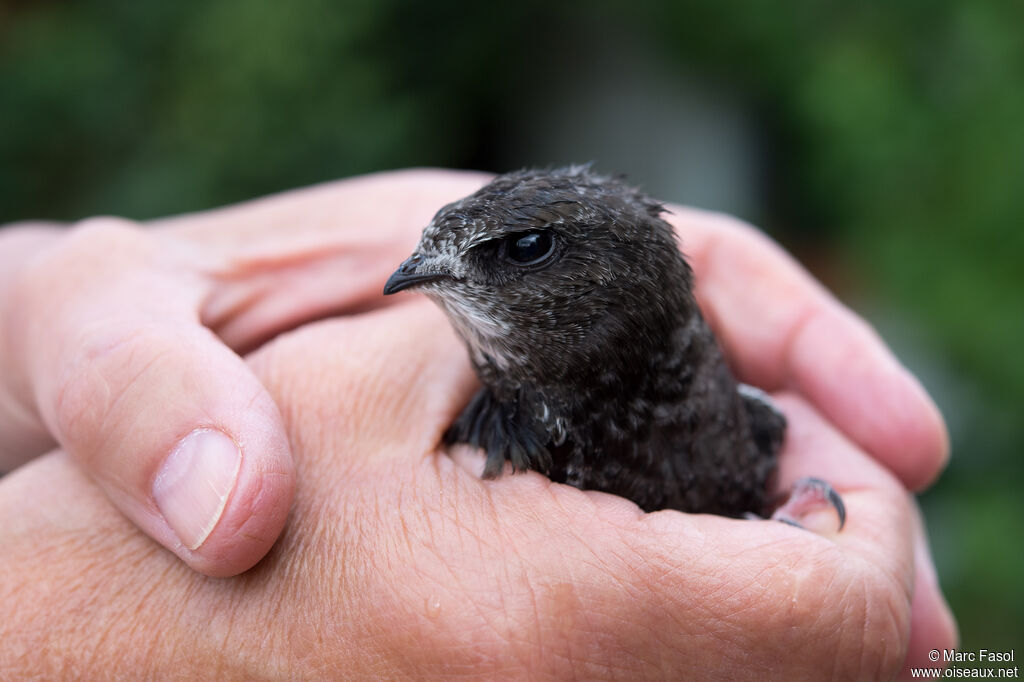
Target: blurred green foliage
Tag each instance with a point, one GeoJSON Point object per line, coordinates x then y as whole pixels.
{"type": "Point", "coordinates": [894, 134]}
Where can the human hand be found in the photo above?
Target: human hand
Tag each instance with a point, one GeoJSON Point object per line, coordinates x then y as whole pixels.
{"type": "Point", "coordinates": [104, 351]}
{"type": "Point", "coordinates": [272, 264]}
{"type": "Point", "coordinates": [398, 561]}
{"type": "Point", "coordinates": [119, 344]}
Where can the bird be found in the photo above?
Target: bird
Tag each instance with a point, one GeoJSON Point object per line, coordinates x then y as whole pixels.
{"type": "Point", "coordinates": [597, 368]}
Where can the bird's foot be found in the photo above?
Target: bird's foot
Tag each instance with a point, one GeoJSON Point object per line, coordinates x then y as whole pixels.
{"type": "Point", "coordinates": [810, 494]}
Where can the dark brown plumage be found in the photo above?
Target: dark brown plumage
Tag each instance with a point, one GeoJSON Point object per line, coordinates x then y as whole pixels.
{"type": "Point", "coordinates": [597, 367]}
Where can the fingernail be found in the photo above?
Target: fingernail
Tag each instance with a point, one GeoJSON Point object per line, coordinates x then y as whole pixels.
{"type": "Point", "coordinates": [194, 482]}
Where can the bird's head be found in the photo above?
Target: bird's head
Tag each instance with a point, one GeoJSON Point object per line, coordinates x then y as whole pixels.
{"type": "Point", "coordinates": [543, 270]}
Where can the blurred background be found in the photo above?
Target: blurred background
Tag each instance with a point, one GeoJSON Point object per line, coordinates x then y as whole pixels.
{"type": "Point", "coordinates": [882, 143]}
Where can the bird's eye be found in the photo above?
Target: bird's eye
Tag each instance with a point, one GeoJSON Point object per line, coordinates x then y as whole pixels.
{"type": "Point", "coordinates": [529, 248]}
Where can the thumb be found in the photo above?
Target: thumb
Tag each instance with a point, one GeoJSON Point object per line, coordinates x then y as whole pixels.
{"type": "Point", "coordinates": [171, 423]}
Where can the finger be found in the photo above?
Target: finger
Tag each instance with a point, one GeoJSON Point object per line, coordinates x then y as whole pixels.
{"type": "Point", "coordinates": [879, 514]}
{"type": "Point", "coordinates": [23, 436]}
{"type": "Point", "coordinates": [781, 329]}
{"type": "Point", "coordinates": [178, 432]}
{"type": "Point", "coordinates": [314, 252]}
{"type": "Point", "coordinates": [932, 626]}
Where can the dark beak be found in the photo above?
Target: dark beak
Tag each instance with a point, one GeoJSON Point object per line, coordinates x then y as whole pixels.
{"type": "Point", "coordinates": [407, 275]}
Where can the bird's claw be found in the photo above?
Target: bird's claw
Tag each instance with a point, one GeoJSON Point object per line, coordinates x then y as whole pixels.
{"type": "Point", "coordinates": [807, 495]}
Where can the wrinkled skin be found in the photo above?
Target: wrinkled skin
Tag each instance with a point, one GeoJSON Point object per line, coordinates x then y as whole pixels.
{"type": "Point", "coordinates": [397, 559]}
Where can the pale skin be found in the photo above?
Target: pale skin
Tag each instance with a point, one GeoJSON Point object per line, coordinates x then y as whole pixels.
{"type": "Point", "coordinates": [395, 558]}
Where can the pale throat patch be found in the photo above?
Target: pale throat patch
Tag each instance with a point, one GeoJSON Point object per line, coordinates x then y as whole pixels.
{"type": "Point", "coordinates": [485, 334]}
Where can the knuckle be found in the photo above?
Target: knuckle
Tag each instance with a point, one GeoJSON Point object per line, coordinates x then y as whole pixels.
{"type": "Point", "coordinates": [89, 247]}
{"type": "Point", "coordinates": [105, 230]}
{"type": "Point", "coordinates": [96, 239]}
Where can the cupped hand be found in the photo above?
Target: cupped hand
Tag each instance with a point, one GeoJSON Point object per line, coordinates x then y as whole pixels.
{"type": "Point", "coordinates": [400, 561]}
{"type": "Point", "coordinates": [119, 343]}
